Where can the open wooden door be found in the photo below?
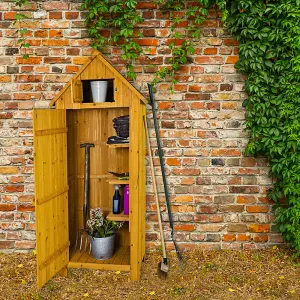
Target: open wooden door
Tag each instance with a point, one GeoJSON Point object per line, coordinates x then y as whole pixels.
{"type": "Point", "coordinates": [51, 192]}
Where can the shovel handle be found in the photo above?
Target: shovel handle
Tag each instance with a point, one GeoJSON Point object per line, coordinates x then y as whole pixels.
{"type": "Point", "coordinates": [155, 193]}
{"type": "Point", "coordinates": [87, 147]}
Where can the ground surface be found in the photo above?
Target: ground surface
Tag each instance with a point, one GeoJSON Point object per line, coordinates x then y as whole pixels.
{"type": "Point", "coordinates": [268, 274]}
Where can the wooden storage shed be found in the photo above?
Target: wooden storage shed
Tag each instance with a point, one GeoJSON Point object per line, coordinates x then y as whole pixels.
{"type": "Point", "coordinates": [70, 120]}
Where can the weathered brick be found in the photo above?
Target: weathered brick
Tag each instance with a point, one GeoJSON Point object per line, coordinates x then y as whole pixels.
{"type": "Point", "coordinates": [237, 228]}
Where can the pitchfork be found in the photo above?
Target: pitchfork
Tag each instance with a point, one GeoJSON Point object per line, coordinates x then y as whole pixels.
{"type": "Point", "coordinates": [82, 236]}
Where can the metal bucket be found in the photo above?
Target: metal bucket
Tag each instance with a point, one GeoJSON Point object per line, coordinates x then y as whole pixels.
{"type": "Point", "coordinates": [103, 248]}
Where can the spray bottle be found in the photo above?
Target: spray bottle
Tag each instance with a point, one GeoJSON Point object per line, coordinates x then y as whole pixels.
{"type": "Point", "coordinates": [117, 201]}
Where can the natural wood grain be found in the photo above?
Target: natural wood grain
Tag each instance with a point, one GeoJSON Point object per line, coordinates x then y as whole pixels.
{"type": "Point", "coordinates": [118, 217]}
{"type": "Point", "coordinates": [50, 176]}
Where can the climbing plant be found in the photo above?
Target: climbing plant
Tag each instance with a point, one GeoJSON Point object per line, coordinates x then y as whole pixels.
{"type": "Point", "coordinates": [21, 31]}
{"type": "Point", "coordinates": [269, 37]}
{"type": "Point", "coordinates": [121, 17]}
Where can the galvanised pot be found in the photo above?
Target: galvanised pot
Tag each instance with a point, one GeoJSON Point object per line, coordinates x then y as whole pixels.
{"type": "Point", "coordinates": [102, 248]}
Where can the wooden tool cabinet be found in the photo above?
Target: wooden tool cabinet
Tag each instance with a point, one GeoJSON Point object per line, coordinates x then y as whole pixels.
{"type": "Point", "coordinates": [59, 169]}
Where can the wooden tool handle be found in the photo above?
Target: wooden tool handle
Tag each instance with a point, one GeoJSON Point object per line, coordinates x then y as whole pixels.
{"type": "Point", "coordinates": [155, 191]}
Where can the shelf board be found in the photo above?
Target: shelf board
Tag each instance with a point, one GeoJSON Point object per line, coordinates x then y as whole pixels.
{"type": "Point", "coordinates": [97, 105]}
{"type": "Point", "coordinates": [119, 262]}
{"type": "Point", "coordinates": [125, 145]}
{"type": "Point", "coordinates": [119, 217]}
{"type": "Point", "coordinates": [115, 180]}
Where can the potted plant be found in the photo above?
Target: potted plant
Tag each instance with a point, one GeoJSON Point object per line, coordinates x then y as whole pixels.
{"type": "Point", "coordinates": [102, 234]}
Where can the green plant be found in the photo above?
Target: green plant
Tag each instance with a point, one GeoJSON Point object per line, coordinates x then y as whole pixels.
{"type": "Point", "coordinates": [21, 31]}
{"type": "Point", "coordinates": [121, 17]}
{"type": "Point", "coordinates": [99, 226]}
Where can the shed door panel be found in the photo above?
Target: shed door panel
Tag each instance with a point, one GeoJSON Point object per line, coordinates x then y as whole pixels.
{"type": "Point", "coordinates": [51, 192]}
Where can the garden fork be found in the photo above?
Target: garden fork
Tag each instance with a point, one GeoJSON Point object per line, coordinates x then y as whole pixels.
{"type": "Point", "coordinates": [82, 236]}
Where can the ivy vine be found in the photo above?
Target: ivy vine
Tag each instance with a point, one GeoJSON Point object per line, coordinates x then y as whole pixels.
{"type": "Point", "coordinates": [269, 53]}
{"type": "Point", "coordinates": [21, 31]}
{"type": "Point", "coordinates": [121, 17]}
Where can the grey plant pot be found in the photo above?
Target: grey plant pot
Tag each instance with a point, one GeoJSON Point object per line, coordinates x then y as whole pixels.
{"type": "Point", "coordinates": [103, 248]}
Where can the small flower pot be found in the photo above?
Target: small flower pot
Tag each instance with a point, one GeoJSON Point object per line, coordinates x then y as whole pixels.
{"type": "Point", "coordinates": [103, 248]}
{"type": "Point", "coordinates": [99, 90]}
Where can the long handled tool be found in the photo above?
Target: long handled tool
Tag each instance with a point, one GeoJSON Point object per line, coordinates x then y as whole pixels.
{"type": "Point", "coordinates": [82, 235]}
{"type": "Point", "coordinates": [163, 267]}
{"type": "Point", "coordinates": [160, 154]}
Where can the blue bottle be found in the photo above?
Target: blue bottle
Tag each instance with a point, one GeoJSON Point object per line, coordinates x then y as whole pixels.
{"type": "Point", "coordinates": [117, 201]}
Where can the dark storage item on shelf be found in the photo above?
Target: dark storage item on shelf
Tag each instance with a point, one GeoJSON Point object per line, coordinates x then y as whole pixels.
{"type": "Point", "coordinates": [121, 125]}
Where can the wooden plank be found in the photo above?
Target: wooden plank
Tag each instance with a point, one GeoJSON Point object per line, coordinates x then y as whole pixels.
{"type": "Point", "coordinates": [117, 181]}
{"type": "Point", "coordinates": [118, 145]}
{"type": "Point", "coordinates": [96, 266]}
{"type": "Point", "coordinates": [53, 195]}
{"type": "Point", "coordinates": [53, 256]}
{"type": "Point", "coordinates": [142, 183]}
{"type": "Point", "coordinates": [76, 90]}
{"type": "Point", "coordinates": [50, 177]}
{"type": "Point", "coordinates": [118, 217]}
{"type": "Point", "coordinates": [126, 259]}
{"type": "Point", "coordinates": [51, 131]}
{"type": "Point", "coordinates": [100, 105]}
{"type": "Point", "coordinates": [119, 258]}
{"type": "Point", "coordinates": [135, 115]}
{"type": "Point", "coordinates": [76, 256]}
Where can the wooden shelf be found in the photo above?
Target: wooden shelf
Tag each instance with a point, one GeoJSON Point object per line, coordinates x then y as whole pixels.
{"type": "Point", "coordinates": [125, 145]}
{"type": "Point", "coordinates": [96, 105]}
{"type": "Point", "coordinates": [115, 180]}
{"type": "Point", "coordinates": [119, 217]}
{"type": "Point", "coordinates": [119, 262]}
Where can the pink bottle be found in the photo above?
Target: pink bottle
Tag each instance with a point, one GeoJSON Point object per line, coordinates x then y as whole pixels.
{"type": "Point", "coordinates": [126, 200]}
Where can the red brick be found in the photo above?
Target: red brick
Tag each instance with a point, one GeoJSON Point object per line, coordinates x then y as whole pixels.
{"type": "Point", "coordinates": [184, 227]}
{"type": "Point", "coordinates": [259, 228]}
{"type": "Point", "coordinates": [246, 199]}
{"type": "Point", "coordinates": [173, 161]}
{"type": "Point", "coordinates": [166, 105]}
{"type": "Point", "coordinates": [230, 42]}
{"type": "Point", "coordinates": [25, 245]}
{"type": "Point", "coordinates": [209, 60]}
{"type": "Point", "coordinates": [226, 152]}
{"type": "Point", "coordinates": [210, 51]}
{"type": "Point", "coordinates": [26, 208]}
{"type": "Point", "coordinates": [260, 238]}
{"type": "Point", "coordinates": [257, 209]}
{"type": "Point", "coordinates": [183, 199]}
{"type": "Point", "coordinates": [14, 188]}
{"type": "Point", "coordinates": [8, 170]}
{"type": "Point", "coordinates": [232, 59]}
{"type": "Point", "coordinates": [56, 42]}
{"type": "Point", "coordinates": [244, 189]}
{"type": "Point", "coordinates": [229, 237]}
{"type": "Point", "coordinates": [41, 33]}
{"type": "Point", "coordinates": [10, 15]}
{"type": "Point", "coordinates": [237, 227]}
{"type": "Point", "coordinates": [72, 15]}
{"type": "Point", "coordinates": [243, 237]}
{"type": "Point", "coordinates": [209, 78]}
{"type": "Point", "coordinates": [7, 244]}
{"type": "Point", "coordinates": [7, 207]}
{"type": "Point", "coordinates": [55, 15]}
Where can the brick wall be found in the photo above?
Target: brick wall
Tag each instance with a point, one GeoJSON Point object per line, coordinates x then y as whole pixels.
{"type": "Point", "coordinates": [218, 195]}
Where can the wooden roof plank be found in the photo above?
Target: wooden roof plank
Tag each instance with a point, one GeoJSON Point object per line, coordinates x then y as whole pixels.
{"type": "Point", "coordinates": [98, 55]}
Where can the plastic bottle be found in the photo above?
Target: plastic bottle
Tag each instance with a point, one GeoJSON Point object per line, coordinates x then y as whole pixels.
{"type": "Point", "coordinates": [126, 200]}
{"type": "Point", "coordinates": [117, 201]}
